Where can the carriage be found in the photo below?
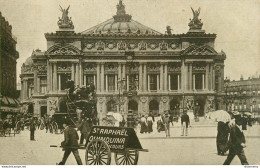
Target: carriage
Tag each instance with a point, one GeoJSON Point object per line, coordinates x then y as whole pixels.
{"type": "Point", "coordinates": [102, 141]}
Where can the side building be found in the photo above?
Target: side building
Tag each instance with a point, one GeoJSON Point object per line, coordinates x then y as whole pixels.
{"type": "Point", "coordinates": [243, 95]}
{"type": "Point", "coordinates": [131, 65]}
{"type": "Point", "coordinates": [8, 56]}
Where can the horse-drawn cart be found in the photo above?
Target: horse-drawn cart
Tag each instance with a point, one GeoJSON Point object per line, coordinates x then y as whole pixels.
{"type": "Point", "coordinates": [103, 141]}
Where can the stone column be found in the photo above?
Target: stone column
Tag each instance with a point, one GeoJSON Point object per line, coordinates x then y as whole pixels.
{"type": "Point", "coordinates": [116, 82]}
{"type": "Point", "coordinates": [169, 81]}
{"type": "Point", "coordinates": [178, 81]}
{"type": "Point", "coordinates": [38, 84]}
{"type": "Point", "coordinates": [73, 72]}
{"type": "Point", "coordinates": [59, 82]}
{"type": "Point", "coordinates": [55, 76]}
{"type": "Point", "coordinates": [207, 77]}
{"type": "Point", "coordinates": [165, 77]}
{"type": "Point", "coordinates": [106, 83]}
{"type": "Point", "coordinates": [210, 77]}
{"type": "Point", "coordinates": [149, 82]}
{"type": "Point", "coordinates": [123, 74]}
{"type": "Point", "coordinates": [80, 74]}
{"type": "Point", "coordinates": [51, 77]}
{"type": "Point", "coordinates": [161, 78]}
{"type": "Point", "coordinates": [98, 77]}
{"type": "Point", "coordinates": [158, 83]}
{"type": "Point", "coordinates": [140, 77]}
{"type": "Point", "coordinates": [77, 75]}
{"type": "Point", "coordinates": [183, 76]}
{"type": "Point", "coordinates": [48, 76]}
{"type": "Point", "coordinates": [145, 78]}
{"type": "Point", "coordinates": [22, 90]}
{"type": "Point", "coordinates": [213, 79]}
{"type": "Point", "coordinates": [203, 81]}
{"type": "Point", "coordinates": [35, 76]}
{"type": "Point", "coordinates": [25, 89]}
{"type": "Point", "coordinates": [127, 82]}
{"type": "Point", "coordinates": [190, 76]}
{"type": "Point", "coordinates": [94, 80]}
{"type": "Point", "coordinates": [193, 87]}
{"type": "Point", "coordinates": [119, 73]}
{"type": "Point", "coordinates": [102, 77]}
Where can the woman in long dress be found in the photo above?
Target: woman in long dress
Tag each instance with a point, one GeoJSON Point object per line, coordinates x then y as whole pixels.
{"type": "Point", "coordinates": [150, 124]}
{"type": "Point", "coordinates": [143, 125]}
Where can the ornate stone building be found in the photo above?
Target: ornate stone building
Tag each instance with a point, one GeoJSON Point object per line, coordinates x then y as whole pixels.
{"type": "Point", "coordinates": [8, 56]}
{"type": "Point", "coordinates": [243, 95]}
{"type": "Point", "coordinates": [131, 65]}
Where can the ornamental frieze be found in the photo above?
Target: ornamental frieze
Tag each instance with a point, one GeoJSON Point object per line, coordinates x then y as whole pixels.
{"type": "Point", "coordinates": [42, 68]}
{"type": "Point", "coordinates": [121, 45]}
{"type": "Point", "coordinates": [63, 51]}
{"type": "Point", "coordinates": [153, 46]}
{"type": "Point", "coordinates": [198, 67]}
{"type": "Point", "coordinates": [64, 67]}
{"type": "Point", "coordinates": [100, 45]}
{"type": "Point", "coordinates": [163, 45]}
{"type": "Point", "coordinates": [90, 67]}
{"type": "Point", "coordinates": [153, 66]}
{"type": "Point", "coordinates": [111, 67]}
{"type": "Point", "coordinates": [142, 45]}
{"type": "Point", "coordinates": [174, 67]}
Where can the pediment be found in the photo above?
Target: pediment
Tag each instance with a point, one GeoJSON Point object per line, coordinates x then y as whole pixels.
{"type": "Point", "coordinates": [63, 50]}
{"type": "Point", "coordinates": [199, 50]}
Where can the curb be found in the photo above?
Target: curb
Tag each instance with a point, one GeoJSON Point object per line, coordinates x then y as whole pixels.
{"type": "Point", "coordinates": [187, 137]}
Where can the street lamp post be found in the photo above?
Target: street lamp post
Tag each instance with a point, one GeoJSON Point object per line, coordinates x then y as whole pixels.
{"type": "Point", "coordinates": [121, 85]}
{"type": "Point", "coordinates": [226, 98]}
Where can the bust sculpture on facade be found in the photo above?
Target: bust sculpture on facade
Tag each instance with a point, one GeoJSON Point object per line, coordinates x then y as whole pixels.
{"type": "Point", "coordinates": [195, 23]}
{"type": "Point", "coordinates": [65, 21]}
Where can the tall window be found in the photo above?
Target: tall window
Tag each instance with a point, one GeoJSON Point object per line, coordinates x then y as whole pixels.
{"type": "Point", "coordinates": [153, 82]}
{"type": "Point", "coordinates": [43, 84]}
{"type": "Point", "coordinates": [198, 81]}
{"type": "Point", "coordinates": [174, 82]}
{"type": "Point", "coordinates": [63, 80]}
{"type": "Point", "coordinates": [111, 82]}
{"type": "Point", "coordinates": [89, 79]}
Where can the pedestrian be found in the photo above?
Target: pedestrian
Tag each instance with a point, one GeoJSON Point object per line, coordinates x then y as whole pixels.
{"type": "Point", "coordinates": [185, 122]}
{"type": "Point", "coordinates": [149, 124]}
{"type": "Point", "coordinates": [160, 125]}
{"type": "Point", "coordinates": [70, 143]}
{"type": "Point", "coordinates": [32, 129]}
{"type": "Point", "coordinates": [166, 122]}
{"type": "Point", "coordinates": [236, 144]}
{"type": "Point", "coordinates": [143, 125]}
{"type": "Point", "coordinates": [222, 138]}
{"type": "Point", "coordinates": [244, 122]}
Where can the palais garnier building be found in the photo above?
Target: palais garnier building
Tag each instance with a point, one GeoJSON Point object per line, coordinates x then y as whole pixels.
{"type": "Point", "coordinates": [132, 66]}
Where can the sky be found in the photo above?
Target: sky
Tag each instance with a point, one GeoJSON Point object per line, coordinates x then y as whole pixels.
{"type": "Point", "coordinates": [236, 23]}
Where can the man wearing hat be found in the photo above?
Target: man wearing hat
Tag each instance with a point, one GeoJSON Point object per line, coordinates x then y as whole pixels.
{"type": "Point", "coordinates": [166, 120]}
{"type": "Point", "coordinates": [70, 143]}
{"type": "Point", "coordinates": [185, 122]}
{"type": "Point", "coordinates": [236, 144]}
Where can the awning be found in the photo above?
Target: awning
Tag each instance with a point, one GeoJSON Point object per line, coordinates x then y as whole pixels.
{"type": "Point", "coordinates": [8, 101]}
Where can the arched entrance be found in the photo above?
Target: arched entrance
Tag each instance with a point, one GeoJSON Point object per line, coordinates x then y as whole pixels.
{"type": "Point", "coordinates": [154, 107]}
{"type": "Point", "coordinates": [63, 107]}
{"type": "Point", "coordinates": [30, 109]}
{"type": "Point", "coordinates": [111, 106]}
{"type": "Point", "coordinates": [175, 107]}
{"type": "Point", "coordinates": [133, 105]}
{"type": "Point", "coordinates": [43, 111]}
{"type": "Point", "coordinates": [199, 107]}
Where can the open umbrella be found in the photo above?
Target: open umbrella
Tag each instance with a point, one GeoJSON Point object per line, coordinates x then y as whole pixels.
{"type": "Point", "coordinates": [248, 113]}
{"type": "Point", "coordinates": [221, 116]}
{"type": "Point", "coordinates": [116, 116]}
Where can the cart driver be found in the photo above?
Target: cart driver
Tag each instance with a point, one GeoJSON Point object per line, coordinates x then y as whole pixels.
{"type": "Point", "coordinates": [70, 143]}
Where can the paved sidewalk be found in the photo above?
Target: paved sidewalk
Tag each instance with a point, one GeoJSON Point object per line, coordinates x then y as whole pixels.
{"type": "Point", "coordinates": [195, 132]}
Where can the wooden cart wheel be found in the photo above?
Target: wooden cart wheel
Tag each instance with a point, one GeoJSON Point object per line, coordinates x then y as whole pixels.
{"type": "Point", "coordinates": [129, 157]}
{"type": "Point", "coordinates": [98, 153]}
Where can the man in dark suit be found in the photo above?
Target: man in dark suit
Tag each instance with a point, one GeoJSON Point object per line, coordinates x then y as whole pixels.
{"type": "Point", "coordinates": [236, 144]}
{"type": "Point", "coordinates": [185, 122]}
{"type": "Point", "coordinates": [32, 129]}
{"type": "Point", "coordinates": [70, 143]}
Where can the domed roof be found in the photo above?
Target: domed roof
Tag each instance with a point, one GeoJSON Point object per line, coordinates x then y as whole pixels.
{"type": "Point", "coordinates": [121, 23]}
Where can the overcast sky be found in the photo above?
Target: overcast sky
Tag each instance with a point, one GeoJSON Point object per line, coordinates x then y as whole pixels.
{"type": "Point", "coordinates": [236, 23]}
